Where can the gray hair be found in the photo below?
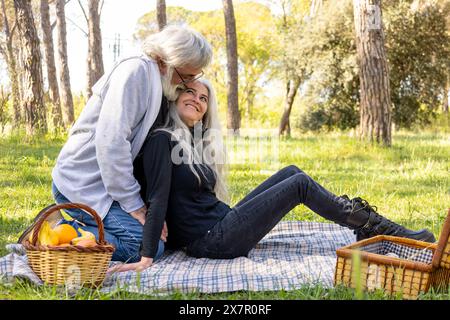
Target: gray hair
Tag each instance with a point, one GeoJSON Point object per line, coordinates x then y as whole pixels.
{"type": "Point", "coordinates": [179, 46]}
{"type": "Point", "coordinates": [211, 144]}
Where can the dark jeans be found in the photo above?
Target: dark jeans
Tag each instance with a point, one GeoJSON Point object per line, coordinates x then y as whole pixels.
{"type": "Point", "coordinates": [255, 215]}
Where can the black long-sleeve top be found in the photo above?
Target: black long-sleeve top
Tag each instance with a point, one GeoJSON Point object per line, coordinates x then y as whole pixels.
{"type": "Point", "coordinates": [172, 193]}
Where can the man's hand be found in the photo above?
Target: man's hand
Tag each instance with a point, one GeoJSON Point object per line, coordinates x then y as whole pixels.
{"type": "Point", "coordinates": [164, 233]}
{"type": "Point", "coordinates": [139, 214]}
{"type": "Point", "coordinates": [138, 266]}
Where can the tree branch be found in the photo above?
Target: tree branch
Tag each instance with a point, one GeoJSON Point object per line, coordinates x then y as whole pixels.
{"type": "Point", "coordinates": [3, 53]}
{"type": "Point", "coordinates": [84, 12]}
{"type": "Point", "coordinates": [13, 29]}
{"type": "Point", "coordinates": [11, 35]}
{"type": "Point", "coordinates": [82, 30]}
{"type": "Point", "coordinates": [101, 8]}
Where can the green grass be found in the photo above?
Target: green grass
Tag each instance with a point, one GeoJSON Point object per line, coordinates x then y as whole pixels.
{"type": "Point", "coordinates": [409, 183]}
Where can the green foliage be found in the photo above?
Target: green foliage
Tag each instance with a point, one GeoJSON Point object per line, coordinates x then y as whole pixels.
{"type": "Point", "coordinates": [418, 48]}
{"type": "Point", "coordinates": [330, 91]}
{"type": "Point", "coordinates": [257, 49]}
{"type": "Point", "coordinates": [318, 46]}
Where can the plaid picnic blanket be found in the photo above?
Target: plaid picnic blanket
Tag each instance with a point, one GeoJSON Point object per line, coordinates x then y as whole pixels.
{"type": "Point", "coordinates": [292, 255]}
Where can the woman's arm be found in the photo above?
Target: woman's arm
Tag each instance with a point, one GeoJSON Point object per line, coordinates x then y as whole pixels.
{"type": "Point", "coordinates": [157, 164]}
{"type": "Point", "coordinates": [158, 175]}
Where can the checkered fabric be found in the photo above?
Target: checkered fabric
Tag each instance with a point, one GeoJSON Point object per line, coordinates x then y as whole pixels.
{"type": "Point", "coordinates": [292, 255]}
{"type": "Point", "coordinates": [402, 251]}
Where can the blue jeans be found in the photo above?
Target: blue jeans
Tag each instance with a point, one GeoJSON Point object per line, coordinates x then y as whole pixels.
{"type": "Point", "coordinates": [121, 229]}
{"type": "Point", "coordinates": [255, 215]}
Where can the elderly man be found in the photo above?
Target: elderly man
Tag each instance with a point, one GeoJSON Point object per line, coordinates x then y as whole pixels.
{"type": "Point", "coordinates": [95, 166]}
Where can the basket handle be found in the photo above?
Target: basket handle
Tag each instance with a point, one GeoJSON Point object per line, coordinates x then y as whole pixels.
{"type": "Point", "coordinates": [444, 239]}
{"type": "Point", "coordinates": [49, 210]}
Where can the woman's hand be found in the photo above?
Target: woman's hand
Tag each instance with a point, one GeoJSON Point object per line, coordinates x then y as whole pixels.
{"type": "Point", "coordinates": [139, 214]}
{"type": "Point", "coordinates": [138, 266]}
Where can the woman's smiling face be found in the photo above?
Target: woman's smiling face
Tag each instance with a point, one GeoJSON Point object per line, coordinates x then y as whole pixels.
{"type": "Point", "coordinates": [192, 103]}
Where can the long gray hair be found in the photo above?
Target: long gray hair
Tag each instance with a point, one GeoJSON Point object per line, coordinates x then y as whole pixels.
{"type": "Point", "coordinates": [207, 148]}
{"type": "Point", "coordinates": [179, 46]}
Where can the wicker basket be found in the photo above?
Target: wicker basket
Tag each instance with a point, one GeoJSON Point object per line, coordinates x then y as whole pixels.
{"type": "Point", "coordinates": [416, 267]}
{"type": "Point", "coordinates": [69, 265]}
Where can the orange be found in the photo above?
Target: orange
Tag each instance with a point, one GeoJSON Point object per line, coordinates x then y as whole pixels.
{"type": "Point", "coordinates": [65, 233]}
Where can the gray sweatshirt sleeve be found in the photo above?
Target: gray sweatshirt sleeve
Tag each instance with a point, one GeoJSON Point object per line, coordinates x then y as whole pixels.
{"type": "Point", "coordinates": [124, 106]}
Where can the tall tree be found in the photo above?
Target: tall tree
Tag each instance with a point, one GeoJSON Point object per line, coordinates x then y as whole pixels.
{"type": "Point", "coordinates": [7, 51]}
{"type": "Point", "coordinates": [161, 14]}
{"type": "Point", "coordinates": [233, 115]}
{"type": "Point", "coordinates": [64, 76]}
{"type": "Point", "coordinates": [95, 67]}
{"type": "Point", "coordinates": [292, 28]}
{"type": "Point", "coordinates": [47, 39]}
{"type": "Point", "coordinates": [375, 105]}
{"type": "Point", "coordinates": [33, 95]}
{"type": "Point", "coordinates": [291, 90]}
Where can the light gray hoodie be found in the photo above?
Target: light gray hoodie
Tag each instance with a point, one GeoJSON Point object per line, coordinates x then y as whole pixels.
{"type": "Point", "coordinates": [95, 166]}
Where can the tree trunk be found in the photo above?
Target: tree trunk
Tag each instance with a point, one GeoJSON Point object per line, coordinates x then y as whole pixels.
{"type": "Point", "coordinates": [11, 63]}
{"type": "Point", "coordinates": [18, 53]}
{"type": "Point", "coordinates": [95, 67]}
{"type": "Point", "coordinates": [161, 14]}
{"type": "Point", "coordinates": [233, 115]}
{"type": "Point", "coordinates": [64, 77]}
{"type": "Point", "coordinates": [446, 91]}
{"type": "Point", "coordinates": [291, 90]}
{"type": "Point", "coordinates": [33, 99]}
{"type": "Point", "coordinates": [375, 104]}
{"type": "Point", "coordinates": [47, 39]}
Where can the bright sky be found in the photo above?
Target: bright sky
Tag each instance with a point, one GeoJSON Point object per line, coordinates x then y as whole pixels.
{"type": "Point", "coordinates": [118, 20]}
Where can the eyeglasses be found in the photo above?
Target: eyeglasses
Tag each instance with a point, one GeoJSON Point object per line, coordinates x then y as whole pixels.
{"type": "Point", "coordinates": [186, 79]}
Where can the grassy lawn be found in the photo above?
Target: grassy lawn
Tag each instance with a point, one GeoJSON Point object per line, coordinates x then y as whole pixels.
{"type": "Point", "coordinates": [409, 183]}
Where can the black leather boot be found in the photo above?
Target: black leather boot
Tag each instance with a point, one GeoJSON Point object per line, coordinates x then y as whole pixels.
{"type": "Point", "coordinates": [367, 223]}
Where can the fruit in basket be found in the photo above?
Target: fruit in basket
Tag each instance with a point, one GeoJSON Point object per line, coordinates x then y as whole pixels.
{"type": "Point", "coordinates": [87, 242]}
{"type": "Point", "coordinates": [65, 233]}
{"type": "Point", "coordinates": [73, 223]}
{"type": "Point", "coordinates": [46, 236]}
{"type": "Point", "coordinates": [85, 235]}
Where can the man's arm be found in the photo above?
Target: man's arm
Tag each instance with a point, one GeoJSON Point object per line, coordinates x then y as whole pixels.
{"type": "Point", "coordinates": [124, 105]}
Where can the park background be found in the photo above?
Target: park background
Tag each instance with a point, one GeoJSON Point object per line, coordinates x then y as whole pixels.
{"type": "Point", "coordinates": [291, 78]}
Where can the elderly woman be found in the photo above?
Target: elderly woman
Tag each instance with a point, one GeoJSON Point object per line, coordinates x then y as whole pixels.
{"type": "Point", "coordinates": [95, 166]}
{"type": "Point", "coordinates": [184, 184]}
